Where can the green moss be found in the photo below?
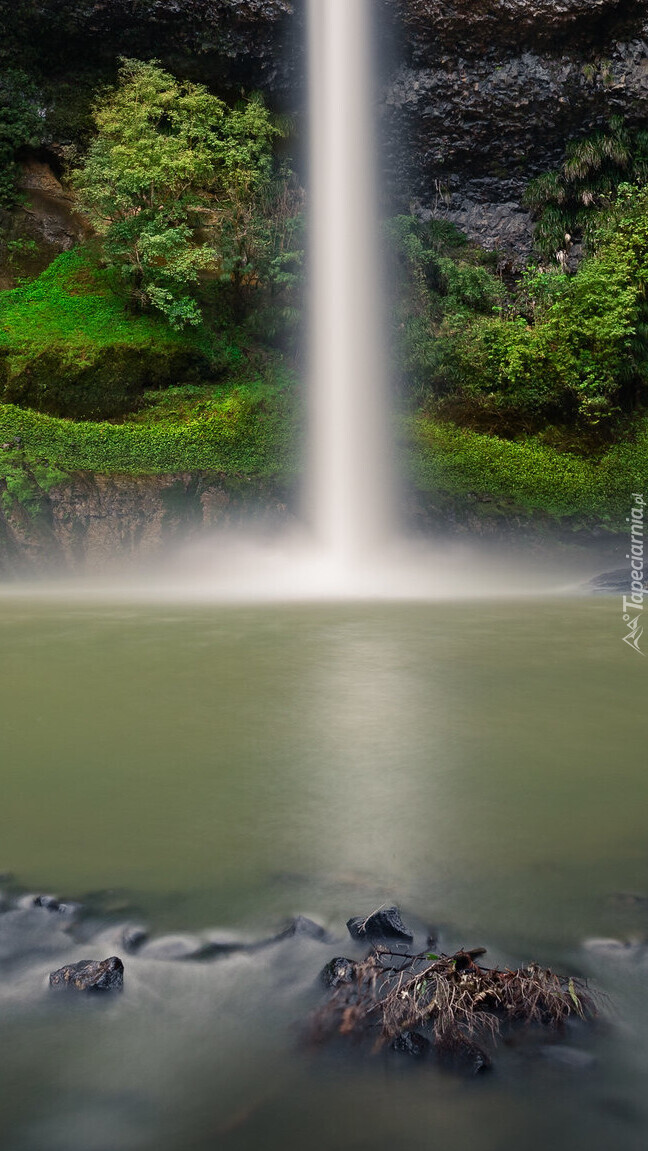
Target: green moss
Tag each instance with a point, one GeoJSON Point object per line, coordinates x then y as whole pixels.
{"type": "Point", "coordinates": [245, 430]}
{"type": "Point", "coordinates": [527, 474]}
{"type": "Point", "coordinates": [69, 347]}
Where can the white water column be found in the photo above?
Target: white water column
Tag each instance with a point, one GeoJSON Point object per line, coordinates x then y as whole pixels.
{"type": "Point", "coordinates": [349, 485]}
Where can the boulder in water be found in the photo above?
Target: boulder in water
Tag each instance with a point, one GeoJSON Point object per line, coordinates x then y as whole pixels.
{"type": "Point", "coordinates": [338, 971]}
{"type": "Point", "coordinates": [385, 924]}
{"type": "Point", "coordinates": [306, 929]}
{"type": "Point", "coordinates": [90, 975]}
{"type": "Point", "coordinates": [412, 1044]}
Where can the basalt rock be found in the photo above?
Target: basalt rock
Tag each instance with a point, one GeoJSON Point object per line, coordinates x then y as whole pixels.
{"type": "Point", "coordinates": [382, 925]}
{"type": "Point", "coordinates": [88, 523]}
{"type": "Point", "coordinates": [412, 1044]}
{"type": "Point", "coordinates": [480, 24]}
{"type": "Point", "coordinates": [338, 971]}
{"type": "Point", "coordinates": [90, 975]}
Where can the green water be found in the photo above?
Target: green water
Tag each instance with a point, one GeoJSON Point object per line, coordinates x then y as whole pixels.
{"type": "Point", "coordinates": [482, 765]}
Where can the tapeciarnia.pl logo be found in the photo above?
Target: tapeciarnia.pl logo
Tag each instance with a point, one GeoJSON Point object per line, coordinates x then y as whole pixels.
{"type": "Point", "coordinates": [633, 605]}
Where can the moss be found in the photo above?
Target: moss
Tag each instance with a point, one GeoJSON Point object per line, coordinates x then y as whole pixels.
{"type": "Point", "coordinates": [93, 382]}
{"type": "Point", "coordinates": [243, 430]}
{"type": "Point", "coordinates": [527, 474]}
{"type": "Point", "coordinates": [68, 346]}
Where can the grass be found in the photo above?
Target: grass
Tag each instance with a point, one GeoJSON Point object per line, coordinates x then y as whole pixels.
{"type": "Point", "coordinates": [245, 431]}
{"type": "Point", "coordinates": [71, 304]}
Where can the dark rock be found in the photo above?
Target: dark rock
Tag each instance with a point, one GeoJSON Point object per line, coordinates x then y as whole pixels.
{"type": "Point", "coordinates": [630, 899]}
{"type": "Point", "coordinates": [613, 583]}
{"type": "Point", "coordinates": [412, 1044]}
{"type": "Point", "coordinates": [134, 938]}
{"type": "Point", "coordinates": [338, 972]}
{"type": "Point", "coordinates": [306, 928]}
{"type": "Point", "coordinates": [465, 1058]}
{"type": "Point", "coordinates": [50, 902]}
{"type": "Point", "coordinates": [90, 975]}
{"type": "Point", "coordinates": [381, 925]}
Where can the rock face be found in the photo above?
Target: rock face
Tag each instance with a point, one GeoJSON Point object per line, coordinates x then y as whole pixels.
{"type": "Point", "coordinates": [227, 42]}
{"type": "Point", "coordinates": [382, 925]}
{"type": "Point", "coordinates": [477, 23]}
{"type": "Point", "coordinates": [90, 975]}
{"type": "Point", "coordinates": [492, 90]}
{"type": "Point", "coordinates": [89, 522]}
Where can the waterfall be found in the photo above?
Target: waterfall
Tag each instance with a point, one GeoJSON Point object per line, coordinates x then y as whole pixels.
{"type": "Point", "coordinates": [349, 472]}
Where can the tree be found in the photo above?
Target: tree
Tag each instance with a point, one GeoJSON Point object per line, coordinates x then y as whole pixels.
{"type": "Point", "coordinates": [169, 161]}
{"type": "Point", "coordinates": [19, 125]}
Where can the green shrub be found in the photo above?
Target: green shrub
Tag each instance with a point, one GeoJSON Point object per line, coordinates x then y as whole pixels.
{"type": "Point", "coordinates": [170, 160]}
{"type": "Point", "coordinates": [19, 125]}
{"type": "Point", "coordinates": [569, 202]}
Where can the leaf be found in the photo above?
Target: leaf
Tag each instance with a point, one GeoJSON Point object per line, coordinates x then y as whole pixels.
{"type": "Point", "coordinates": [575, 1000]}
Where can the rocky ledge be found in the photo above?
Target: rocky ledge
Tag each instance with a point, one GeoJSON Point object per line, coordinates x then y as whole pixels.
{"type": "Point", "coordinates": [90, 522]}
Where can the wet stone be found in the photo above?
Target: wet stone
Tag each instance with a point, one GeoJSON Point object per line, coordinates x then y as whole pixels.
{"type": "Point", "coordinates": [383, 925]}
{"type": "Point", "coordinates": [90, 975]}
{"type": "Point", "coordinates": [412, 1044]}
{"type": "Point", "coordinates": [465, 1059]}
{"type": "Point", "coordinates": [338, 972]}
{"type": "Point", "coordinates": [134, 937]}
{"type": "Point", "coordinates": [306, 928]}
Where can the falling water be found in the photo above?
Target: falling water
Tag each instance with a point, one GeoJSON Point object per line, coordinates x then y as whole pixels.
{"type": "Point", "coordinates": [350, 476]}
{"type": "Point", "coordinates": [353, 548]}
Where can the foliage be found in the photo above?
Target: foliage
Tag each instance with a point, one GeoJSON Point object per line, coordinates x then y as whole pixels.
{"type": "Point", "coordinates": [442, 283]}
{"type": "Point", "coordinates": [245, 430]}
{"type": "Point", "coordinates": [526, 475]}
{"type": "Point", "coordinates": [68, 347]}
{"type": "Point", "coordinates": [19, 125]}
{"type": "Point", "coordinates": [567, 203]}
{"type": "Point", "coordinates": [170, 156]}
{"type": "Point", "coordinates": [570, 350]}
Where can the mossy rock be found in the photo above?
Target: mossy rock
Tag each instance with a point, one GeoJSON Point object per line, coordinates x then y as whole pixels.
{"type": "Point", "coordinates": [89, 382]}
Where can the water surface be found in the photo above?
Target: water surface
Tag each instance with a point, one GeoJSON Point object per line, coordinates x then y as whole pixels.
{"type": "Point", "coordinates": [482, 765]}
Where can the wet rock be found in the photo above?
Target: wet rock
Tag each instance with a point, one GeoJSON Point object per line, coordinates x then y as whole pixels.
{"type": "Point", "coordinates": [616, 949]}
{"type": "Point", "coordinates": [465, 1058]}
{"type": "Point", "coordinates": [631, 900]}
{"type": "Point", "coordinates": [338, 972]}
{"type": "Point", "coordinates": [49, 903]}
{"type": "Point", "coordinates": [612, 583]}
{"type": "Point", "coordinates": [412, 1044]}
{"type": "Point", "coordinates": [306, 928]}
{"type": "Point", "coordinates": [382, 925]}
{"type": "Point", "coordinates": [91, 523]}
{"type": "Point", "coordinates": [90, 975]}
{"type": "Point", "coordinates": [134, 937]}
{"type": "Point", "coordinates": [504, 228]}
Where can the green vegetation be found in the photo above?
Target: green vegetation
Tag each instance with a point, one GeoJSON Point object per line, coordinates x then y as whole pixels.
{"type": "Point", "coordinates": [68, 347]}
{"type": "Point", "coordinates": [166, 342]}
{"type": "Point", "coordinates": [19, 123]}
{"type": "Point", "coordinates": [246, 429]}
{"type": "Point", "coordinates": [169, 158]}
{"type": "Point", "coordinates": [527, 475]}
{"type": "Point", "coordinates": [553, 349]}
{"type": "Point", "coordinates": [567, 204]}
